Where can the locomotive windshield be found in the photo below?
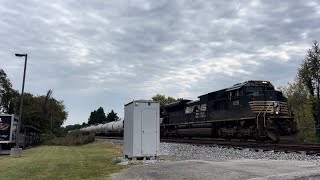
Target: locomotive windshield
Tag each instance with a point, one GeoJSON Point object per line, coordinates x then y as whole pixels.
{"type": "Point", "coordinates": [257, 89]}
{"type": "Point", "coordinates": [253, 89]}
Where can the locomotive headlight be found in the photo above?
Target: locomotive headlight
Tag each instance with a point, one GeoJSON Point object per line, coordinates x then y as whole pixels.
{"type": "Point", "coordinates": [276, 107]}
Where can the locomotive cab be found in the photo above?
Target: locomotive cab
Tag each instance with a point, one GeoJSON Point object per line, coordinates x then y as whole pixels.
{"type": "Point", "coordinates": [270, 109]}
{"type": "Point", "coordinates": [256, 109]}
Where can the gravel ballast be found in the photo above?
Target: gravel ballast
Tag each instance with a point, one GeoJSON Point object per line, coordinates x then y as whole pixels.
{"type": "Point", "coordinates": [186, 161]}
{"type": "Point", "coordinates": [189, 152]}
{"type": "Point", "coordinates": [177, 152]}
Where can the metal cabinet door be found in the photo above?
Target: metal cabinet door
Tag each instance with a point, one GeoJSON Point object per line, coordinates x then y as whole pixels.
{"type": "Point", "coordinates": [149, 131]}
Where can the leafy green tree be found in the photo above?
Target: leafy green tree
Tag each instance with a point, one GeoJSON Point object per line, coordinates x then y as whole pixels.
{"type": "Point", "coordinates": [92, 117]}
{"type": "Point", "coordinates": [163, 99]}
{"type": "Point", "coordinates": [48, 119]}
{"type": "Point", "coordinates": [8, 96]}
{"type": "Point", "coordinates": [112, 116]}
{"type": "Point", "coordinates": [309, 74]}
{"type": "Point", "coordinates": [84, 124]}
{"type": "Point", "coordinates": [101, 116]}
{"type": "Point", "coordinates": [43, 112]}
{"type": "Point", "coordinates": [97, 116]}
{"type": "Point", "coordinates": [32, 112]}
{"type": "Point", "coordinates": [301, 103]}
{"type": "Point", "coordinates": [72, 127]}
{"type": "Point", "coordinates": [75, 127]}
{"type": "Point", "coordinates": [57, 114]}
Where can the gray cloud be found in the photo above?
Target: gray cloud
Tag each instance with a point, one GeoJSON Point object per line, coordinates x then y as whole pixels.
{"type": "Point", "coordinates": [106, 53]}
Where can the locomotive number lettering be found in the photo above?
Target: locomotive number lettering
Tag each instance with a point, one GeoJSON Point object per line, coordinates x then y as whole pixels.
{"type": "Point", "coordinates": [236, 103]}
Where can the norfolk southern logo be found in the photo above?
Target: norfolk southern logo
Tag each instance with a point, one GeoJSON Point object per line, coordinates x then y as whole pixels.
{"type": "Point", "coordinates": [3, 126]}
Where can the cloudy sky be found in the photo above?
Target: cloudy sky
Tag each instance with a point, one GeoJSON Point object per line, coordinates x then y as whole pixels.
{"type": "Point", "coordinates": [107, 53]}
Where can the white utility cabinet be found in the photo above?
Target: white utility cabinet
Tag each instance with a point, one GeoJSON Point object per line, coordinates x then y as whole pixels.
{"type": "Point", "coordinates": [141, 129]}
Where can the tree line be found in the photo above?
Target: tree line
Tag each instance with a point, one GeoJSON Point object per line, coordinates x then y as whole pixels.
{"type": "Point", "coordinates": [99, 117]}
{"type": "Point", "coordinates": [41, 111]}
{"type": "Point", "coordinates": [304, 96]}
{"type": "Point", "coordinates": [96, 117]}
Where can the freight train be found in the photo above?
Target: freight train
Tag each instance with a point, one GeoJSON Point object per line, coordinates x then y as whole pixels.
{"type": "Point", "coordinates": [114, 128]}
{"type": "Point", "coordinates": [248, 110]}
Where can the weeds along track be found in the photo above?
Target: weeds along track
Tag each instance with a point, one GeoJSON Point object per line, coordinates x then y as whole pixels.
{"type": "Point", "coordinates": [109, 137]}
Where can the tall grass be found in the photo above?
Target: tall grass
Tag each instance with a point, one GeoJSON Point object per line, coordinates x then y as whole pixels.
{"type": "Point", "coordinates": [90, 161]}
{"type": "Point", "coordinates": [72, 139]}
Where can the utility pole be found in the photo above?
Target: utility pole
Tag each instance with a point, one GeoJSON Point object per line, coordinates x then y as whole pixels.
{"type": "Point", "coordinates": [16, 151]}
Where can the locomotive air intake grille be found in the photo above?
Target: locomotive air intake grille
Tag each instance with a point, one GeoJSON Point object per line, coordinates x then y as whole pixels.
{"type": "Point", "coordinates": [267, 106]}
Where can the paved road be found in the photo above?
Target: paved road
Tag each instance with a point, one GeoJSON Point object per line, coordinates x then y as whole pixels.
{"type": "Point", "coordinates": [227, 170]}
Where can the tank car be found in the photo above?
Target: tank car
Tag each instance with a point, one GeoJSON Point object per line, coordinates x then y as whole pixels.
{"type": "Point", "coordinates": [248, 110]}
{"type": "Point", "coordinates": [114, 128]}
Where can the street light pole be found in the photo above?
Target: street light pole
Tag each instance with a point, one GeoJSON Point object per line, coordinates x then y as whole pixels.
{"type": "Point", "coordinates": [21, 98]}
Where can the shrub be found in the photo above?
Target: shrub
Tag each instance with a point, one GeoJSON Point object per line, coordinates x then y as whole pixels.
{"type": "Point", "coordinates": [72, 139]}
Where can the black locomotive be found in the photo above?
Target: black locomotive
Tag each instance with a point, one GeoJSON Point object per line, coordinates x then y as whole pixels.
{"type": "Point", "coordinates": [249, 110]}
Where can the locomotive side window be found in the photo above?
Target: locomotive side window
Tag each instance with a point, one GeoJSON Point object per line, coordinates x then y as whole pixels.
{"type": "Point", "coordinates": [234, 93]}
{"type": "Point", "coordinates": [241, 91]}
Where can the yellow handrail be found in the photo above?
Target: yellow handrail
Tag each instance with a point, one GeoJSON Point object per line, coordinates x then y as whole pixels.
{"type": "Point", "coordinates": [258, 117]}
{"type": "Point", "coordinates": [264, 116]}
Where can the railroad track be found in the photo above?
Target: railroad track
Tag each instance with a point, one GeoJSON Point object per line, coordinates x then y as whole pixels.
{"type": "Point", "coordinates": [309, 149]}
{"type": "Point", "coordinates": [287, 147]}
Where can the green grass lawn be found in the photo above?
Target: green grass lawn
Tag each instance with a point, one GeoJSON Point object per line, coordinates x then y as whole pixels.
{"type": "Point", "coordinates": [91, 161]}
